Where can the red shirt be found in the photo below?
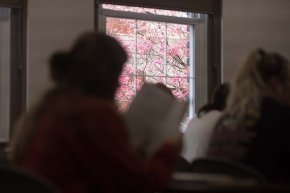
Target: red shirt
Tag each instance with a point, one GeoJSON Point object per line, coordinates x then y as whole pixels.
{"type": "Point", "coordinates": [81, 144]}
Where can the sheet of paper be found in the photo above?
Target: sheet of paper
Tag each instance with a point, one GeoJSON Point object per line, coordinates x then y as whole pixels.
{"type": "Point", "coordinates": [153, 117]}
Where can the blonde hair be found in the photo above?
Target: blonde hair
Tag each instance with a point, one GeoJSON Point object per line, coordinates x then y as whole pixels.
{"type": "Point", "coordinates": [251, 84]}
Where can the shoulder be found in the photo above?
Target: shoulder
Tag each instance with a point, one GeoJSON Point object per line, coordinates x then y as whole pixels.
{"type": "Point", "coordinates": [206, 121]}
{"type": "Point", "coordinates": [214, 114]}
{"type": "Point", "coordinates": [79, 109]}
{"type": "Point", "coordinates": [90, 115]}
{"type": "Point", "coordinates": [82, 104]}
{"type": "Point", "coordinates": [210, 117]}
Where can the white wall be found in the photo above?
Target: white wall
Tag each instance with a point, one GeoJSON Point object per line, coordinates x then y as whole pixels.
{"type": "Point", "coordinates": [52, 25]}
{"type": "Point", "coordinates": [248, 24]}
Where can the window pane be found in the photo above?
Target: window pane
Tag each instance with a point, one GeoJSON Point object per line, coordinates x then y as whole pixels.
{"type": "Point", "coordinates": [169, 45]}
{"type": "Point", "coordinates": [126, 91]}
{"type": "Point", "coordinates": [178, 50]}
{"type": "Point", "coordinates": [5, 44]}
{"type": "Point", "coordinates": [180, 87]}
{"type": "Point", "coordinates": [158, 52]}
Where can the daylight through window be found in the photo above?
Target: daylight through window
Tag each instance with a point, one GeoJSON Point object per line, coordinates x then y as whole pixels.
{"type": "Point", "coordinates": [161, 48]}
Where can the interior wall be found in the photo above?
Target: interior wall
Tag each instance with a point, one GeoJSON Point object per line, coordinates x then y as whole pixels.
{"type": "Point", "coordinates": [250, 24]}
{"type": "Point", "coordinates": [52, 26]}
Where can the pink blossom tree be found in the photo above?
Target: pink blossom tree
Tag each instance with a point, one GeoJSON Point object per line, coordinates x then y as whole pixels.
{"type": "Point", "coordinates": [158, 52]}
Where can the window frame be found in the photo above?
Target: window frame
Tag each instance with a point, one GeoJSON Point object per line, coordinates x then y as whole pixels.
{"type": "Point", "coordinates": [18, 59]}
{"type": "Point", "coordinates": [213, 39]}
{"type": "Point", "coordinates": [195, 29]}
{"type": "Point", "coordinates": [11, 3]}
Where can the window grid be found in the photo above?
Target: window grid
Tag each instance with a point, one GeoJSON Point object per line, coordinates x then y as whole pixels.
{"type": "Point", "coordinates": [161, 75]}
{"type": "Point", "coordinates": [164, 74]}
{"type": "Point", "coordinates": [205, 47]}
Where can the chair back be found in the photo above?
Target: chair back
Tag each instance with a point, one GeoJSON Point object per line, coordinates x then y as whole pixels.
{"type": "Point", "coordinates": [3, 158]}
{"type": "Point", "coordinates": [182, 165]}
{"type": "Point", "coordinates": [14, 181]}
{"type": "Point", "coordinates": [228, 167]}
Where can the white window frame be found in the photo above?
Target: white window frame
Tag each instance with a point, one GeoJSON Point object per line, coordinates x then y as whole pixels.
{"type": "Point", "coordinates": [195, 26]}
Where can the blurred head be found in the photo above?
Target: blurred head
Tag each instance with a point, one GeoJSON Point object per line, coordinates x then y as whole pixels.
{"type": "Point", "coordinates": [220, 95]}
{"type": "Point", "coordinates": [276, 75]}
{"type": "Point", "coordinates": [93, 65]}
{"type": "Point", "coordinates": [218, 101]}
{"type": "Point", "coordinates": [262, 74]}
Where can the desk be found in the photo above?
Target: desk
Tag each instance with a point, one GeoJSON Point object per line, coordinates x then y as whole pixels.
{"type": "Point", "coordinates": [236, 186]}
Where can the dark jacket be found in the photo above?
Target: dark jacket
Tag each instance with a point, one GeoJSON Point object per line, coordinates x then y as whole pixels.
{"type": "Point", "coordinates": [269, 152]}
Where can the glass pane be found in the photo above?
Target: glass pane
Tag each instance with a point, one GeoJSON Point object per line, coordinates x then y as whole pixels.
{"type": "Point", "coordinates": [5, 44]}
{"type": "Point", "coordinates": [178, 37]}
{"type": "Point", "coordinates": [179, 87]}
{"type": "Point", "coordinates": [150, 11]}
{"type": "Point", "coordinates": [151, 40]}
{"type": "Point", "coordinates": [126, 91]}
{"type": "Point", "coordinates": [158, 52]}
{"type": "Point", "coordinates": [155, 79]}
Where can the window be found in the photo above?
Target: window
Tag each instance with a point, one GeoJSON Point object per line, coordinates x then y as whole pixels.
{"type": "Point", "coordinates": [164, 45]}
{"type": "Point", "coordinates": [5, 27]}
{"type": "Point", "coordinates": [11, 66]}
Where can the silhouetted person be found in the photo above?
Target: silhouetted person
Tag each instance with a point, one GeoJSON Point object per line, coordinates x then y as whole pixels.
{"type": "Point", "coordinates": [254, 128]}
{"type": "Point", "coordinates": [75, 135]}
{"type": "Point", "coordinates": [197, 135]}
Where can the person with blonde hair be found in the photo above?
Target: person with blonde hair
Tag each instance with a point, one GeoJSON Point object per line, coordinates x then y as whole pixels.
{"type": "Point", "coordinates": [255, 126]}
{"type": "Point", "coordinates": [76, 137]}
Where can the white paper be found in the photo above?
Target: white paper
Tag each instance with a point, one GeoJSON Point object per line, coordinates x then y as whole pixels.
{"type": "Point", "coordinates": [153, 117]}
